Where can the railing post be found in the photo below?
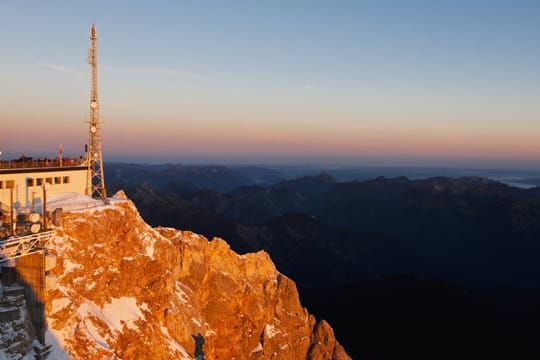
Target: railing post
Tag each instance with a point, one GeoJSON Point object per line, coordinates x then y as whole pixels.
{"type": "Point", "coordinates": [11, 210]}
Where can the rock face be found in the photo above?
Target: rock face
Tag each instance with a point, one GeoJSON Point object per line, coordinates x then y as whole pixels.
{"type": "Point", "coordinates": [129, 291]}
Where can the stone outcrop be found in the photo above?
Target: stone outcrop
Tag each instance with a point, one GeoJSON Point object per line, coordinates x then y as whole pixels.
{"type": "Point", "coordinates": [129, 291]}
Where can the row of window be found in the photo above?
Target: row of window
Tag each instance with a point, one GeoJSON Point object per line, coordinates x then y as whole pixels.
{"type": "Point", "coordinates": [9, 184]}
{"type": "Point", "coordinates": [53, 181]}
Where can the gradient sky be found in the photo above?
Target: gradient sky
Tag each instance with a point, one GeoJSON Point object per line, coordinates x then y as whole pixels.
{"type": "Point", "coordinates": [447, 82]}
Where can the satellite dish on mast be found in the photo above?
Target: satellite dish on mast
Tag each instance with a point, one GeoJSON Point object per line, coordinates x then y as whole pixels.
{"type": "Point", "coordinates": [35, 228]}
{"type": "Point", "coordinates": [34, 217]}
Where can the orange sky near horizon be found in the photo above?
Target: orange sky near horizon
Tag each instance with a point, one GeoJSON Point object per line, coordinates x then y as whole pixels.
{"type": "Point", "coordinates": [240, 138]}
{"type": "Point", "coordinates": [380, 82]}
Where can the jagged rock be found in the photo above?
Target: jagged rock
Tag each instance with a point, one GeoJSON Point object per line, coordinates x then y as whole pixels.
{"type": "Point", "coordinates": [324, 345]}
{"type": "Point", "coordinates": [120, 194]}
{"type": "Point", "coordinates": [128, 291]}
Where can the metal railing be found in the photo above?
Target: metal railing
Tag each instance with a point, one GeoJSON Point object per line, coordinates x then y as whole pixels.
{"type": "Point", "coordinates": [29, 163]}
{"type": "Point", "coordinates": [17, 246]}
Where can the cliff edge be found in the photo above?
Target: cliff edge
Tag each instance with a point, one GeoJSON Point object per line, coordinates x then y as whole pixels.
{"type": "Point", "coordinates": [129, 291]}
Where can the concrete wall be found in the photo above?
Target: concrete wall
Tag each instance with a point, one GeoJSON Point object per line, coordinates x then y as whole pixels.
{"type": "Point", "coordinates": [31, 271]}
{"type": "Point", "coordinates": [27, 184]}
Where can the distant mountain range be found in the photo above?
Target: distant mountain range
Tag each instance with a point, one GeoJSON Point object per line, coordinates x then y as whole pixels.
{"type": "Point", "coordinates": [214, 177]}
{"type": "Point", "coordinates": [467, 243]}
{"type": "Point", "coordinates": [324, 233]}
{"type": "Point", "coordinates": [226, 178]}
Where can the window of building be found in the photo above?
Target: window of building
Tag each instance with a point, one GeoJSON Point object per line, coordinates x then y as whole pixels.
{"type": "Point", "coordinates": [10, 184]}
{"type": "Point", "coordinates": [49, 180]}
{"type": "Point", "coordinates": [58, 180]}
{"type": "Point", "coordinates": [29, 182]}
{"type": "Point", "coordinates": [39, 181]}
{"type": "Point", "coordinates": [1, 184]}
{"type": "Point", "coordinates": [66, 179]}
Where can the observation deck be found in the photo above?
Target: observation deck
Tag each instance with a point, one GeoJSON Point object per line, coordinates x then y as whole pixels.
{"type": "Point", "coordinates": [27, 163]}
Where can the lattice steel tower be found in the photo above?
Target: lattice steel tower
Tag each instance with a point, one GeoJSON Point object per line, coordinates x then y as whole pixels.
{"type": "Point", "coordinates": [95, 182]}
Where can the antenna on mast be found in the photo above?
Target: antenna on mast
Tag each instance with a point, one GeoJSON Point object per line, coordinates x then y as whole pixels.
{"type": "Point", "coordinates": [95, 182]}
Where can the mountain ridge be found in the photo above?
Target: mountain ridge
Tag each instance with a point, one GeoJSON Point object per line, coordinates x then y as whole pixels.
{"type": "Point", "coordinates": [379, 227]}
{"type": "Point", "coordinates": [171, 285]}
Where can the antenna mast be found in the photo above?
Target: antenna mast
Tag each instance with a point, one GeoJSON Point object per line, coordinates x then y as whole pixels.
{"type": "Point", "coordinates": [95, 182]}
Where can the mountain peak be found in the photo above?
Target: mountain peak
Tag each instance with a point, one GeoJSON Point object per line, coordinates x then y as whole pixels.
{"type": "Point", "coordinates": [127, 290]}
{"type": "Point", "coordinates": [325, 177]}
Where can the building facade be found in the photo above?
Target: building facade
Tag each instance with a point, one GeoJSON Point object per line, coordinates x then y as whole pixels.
{"type": "Point", "coordinates": [24, 185]}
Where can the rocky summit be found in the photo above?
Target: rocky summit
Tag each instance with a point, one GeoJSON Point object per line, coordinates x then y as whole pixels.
{"type": "Point", "coordinates": [126, 290]}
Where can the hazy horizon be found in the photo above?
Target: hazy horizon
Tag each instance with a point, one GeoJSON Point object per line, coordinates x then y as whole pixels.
{"type": "Point", "coordinates": [342, 162]}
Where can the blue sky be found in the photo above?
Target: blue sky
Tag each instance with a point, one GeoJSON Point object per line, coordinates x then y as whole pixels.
{"type": "Point", "coordinates": [404, 82]}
